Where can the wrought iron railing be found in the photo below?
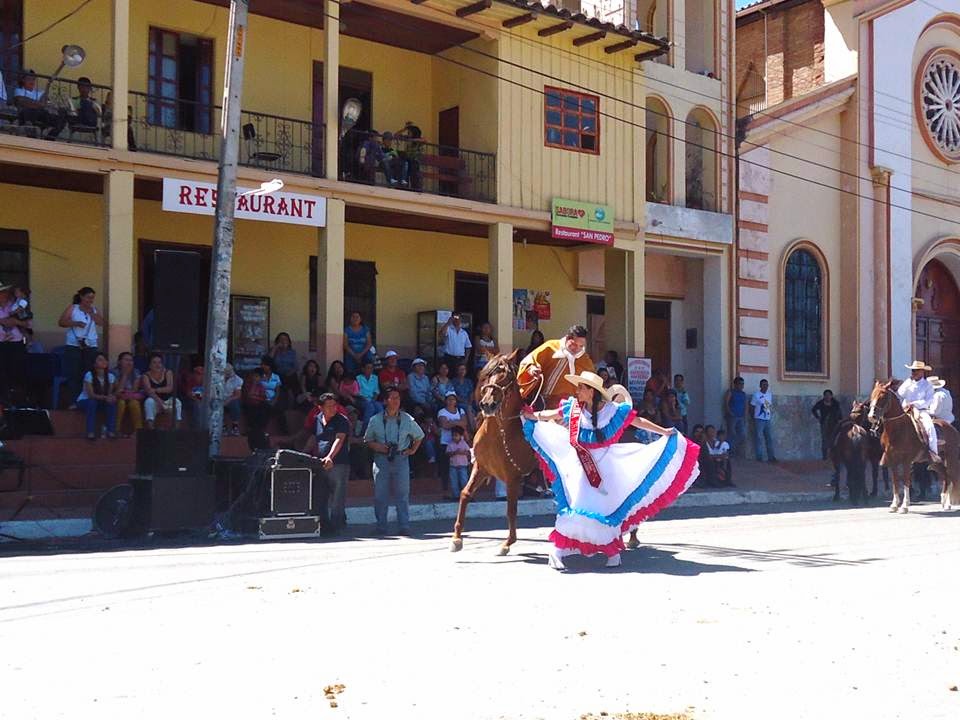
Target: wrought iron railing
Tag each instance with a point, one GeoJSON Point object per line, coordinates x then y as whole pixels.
{"type": "Point", "coordinates": [752, 98]}
{"type": "Point", "coordinates": [411, 164]}
{"type": "Point", "coordinates": [81, 119]}
{"type": "Point", "coordinates": [190, 129]}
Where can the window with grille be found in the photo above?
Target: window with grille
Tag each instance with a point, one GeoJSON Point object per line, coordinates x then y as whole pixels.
{"type": "Point", "coordinates": [571, 120]}
{"type": "Point", "coordinates": [180, 81]}
{"type": "Point", "coordinates": [803, 313]}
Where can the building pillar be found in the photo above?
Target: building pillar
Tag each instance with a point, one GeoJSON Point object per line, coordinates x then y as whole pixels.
{"type": "Point", "coordinates": [717, 319]}
{"type": "Point", "coordinates": [120, 73]}
{"type": "Point", "coordinates": [881, 270]}
{"type": "Point", "coordinates": [500, 283]}
{"type": "Point", "coordinates": [331, 252]}
{"type": "Point", "coordinates": [120, 304]}
{"type": "Point", "coordinates": [331, 89]}
{"type": "Point", "coordinates": [624, 300]}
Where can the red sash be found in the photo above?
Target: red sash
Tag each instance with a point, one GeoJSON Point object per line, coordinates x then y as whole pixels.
{"type": "Point", "coordinates": [586, 459]}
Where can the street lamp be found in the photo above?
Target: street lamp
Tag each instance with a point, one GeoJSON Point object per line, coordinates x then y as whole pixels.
{"type": "Point", "coordinates": [70, 56]}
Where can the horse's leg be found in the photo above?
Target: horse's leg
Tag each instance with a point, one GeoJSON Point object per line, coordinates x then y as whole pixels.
{"type": "Point", "coordinates": [876, 472]}
{"type": "Point", "coordinates": [633, 543]}
{"type": "Point", "coordinates": [835, 481]}
{"type": "Point", "coordinates": [514, 487]}
{"type": "Point", "coordinates": [895, 502]}
{"type": "Point", "coordinates": [466, 495]}
{"type": "Point", "coordinates": [907, 484]}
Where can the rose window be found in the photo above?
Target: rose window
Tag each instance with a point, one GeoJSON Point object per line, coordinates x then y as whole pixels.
{"type": "Point", "coordinates": [939, 106]}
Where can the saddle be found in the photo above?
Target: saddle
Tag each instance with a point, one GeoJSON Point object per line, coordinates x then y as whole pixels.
{"type": "Point", "coordinates": [914, 416]}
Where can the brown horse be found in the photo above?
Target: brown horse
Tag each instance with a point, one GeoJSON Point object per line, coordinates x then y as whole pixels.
{"type": "Point", "coordinates": [500, 449]}
{"type": "Point", "coordinates": [902, 446]}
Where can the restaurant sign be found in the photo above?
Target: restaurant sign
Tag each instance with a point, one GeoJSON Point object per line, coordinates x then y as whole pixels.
{"type": "Point", "coordinates": [200, 198]}
{"type": "Point", "coordinates": [582, 222]}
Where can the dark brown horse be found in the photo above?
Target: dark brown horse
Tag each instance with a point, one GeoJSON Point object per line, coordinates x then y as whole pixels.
{"type": "Point", "coordinates": [500, 449]}
{"type": "Point", "coordinates": [903, 446]}
{"type": "Point", "coordinates": [854, 446]}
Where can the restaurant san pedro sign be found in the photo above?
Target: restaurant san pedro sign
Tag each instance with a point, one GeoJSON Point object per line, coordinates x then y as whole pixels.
{"type": "Point", "coordinates": [582, 222]}
{"type": "Point", "coordinates": [200, 198]}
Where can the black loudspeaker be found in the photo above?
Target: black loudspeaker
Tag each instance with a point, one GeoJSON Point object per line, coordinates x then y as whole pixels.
{"type": "Point", "coordinates": [180, 502]}
{"type": "Point", "coordinates": [17, 422]}
{"type": "Point", "coordinates": [172, 452]}
{"type": "Point", "coordinates": [176, 301]}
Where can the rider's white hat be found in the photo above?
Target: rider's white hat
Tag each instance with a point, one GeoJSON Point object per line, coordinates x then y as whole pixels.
{"type": "Point", "coordinates": [918, 365]}
{"type": "Point", "coordinates": [937, 382]}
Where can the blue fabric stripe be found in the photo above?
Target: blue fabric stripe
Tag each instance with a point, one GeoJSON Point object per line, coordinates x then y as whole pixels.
{"type": "Point", "coordinates": [621, 513]}
{"type": "Point", "coordinates": [611, 428]}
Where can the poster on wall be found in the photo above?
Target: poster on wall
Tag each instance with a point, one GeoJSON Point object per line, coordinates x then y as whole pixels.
{"type": "Point", "coordinates": [249, 331]}
{"type": "Point", "coordinates": [639, 371]}
{"type": "Point", "coordinates": [524, 313]}
{"type": "Point", "coordinates": [541, 303]}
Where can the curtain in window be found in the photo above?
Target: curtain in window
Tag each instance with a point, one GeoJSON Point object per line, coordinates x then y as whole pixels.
{"type": "Point", "coordinates": [803, 313]}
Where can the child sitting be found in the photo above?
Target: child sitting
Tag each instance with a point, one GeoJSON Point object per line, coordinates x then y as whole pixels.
{"type": "Point", "coordinates": [718, 472]}
{"type": "Point", "coordinates": [458, 453]}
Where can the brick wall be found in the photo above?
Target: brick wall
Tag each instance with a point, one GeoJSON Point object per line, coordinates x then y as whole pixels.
{"type": "Point", "coordinates": [794, 46]}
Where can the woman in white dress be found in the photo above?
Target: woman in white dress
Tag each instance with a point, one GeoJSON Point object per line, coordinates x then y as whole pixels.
{"type": "Point", "coordinates": [603, 488]}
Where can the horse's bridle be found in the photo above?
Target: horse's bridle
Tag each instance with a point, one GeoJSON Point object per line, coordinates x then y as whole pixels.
{"type": "Point", "coordinates": [502, 421]}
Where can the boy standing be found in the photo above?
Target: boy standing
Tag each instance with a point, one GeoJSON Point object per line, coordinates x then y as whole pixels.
{"type": "Point", "coordinates": [458, 453]}
{"type": "Point", "coordinates": [683, 399]}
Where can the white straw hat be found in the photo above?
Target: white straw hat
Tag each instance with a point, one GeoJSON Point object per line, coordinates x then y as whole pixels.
{"type": "Point", "coordinates": [918, 365]}
{"type": "Point", "coordinates": [591, 379]}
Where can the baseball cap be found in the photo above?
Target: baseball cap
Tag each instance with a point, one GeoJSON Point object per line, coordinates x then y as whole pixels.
{"type": "Point", "coordinates": [390, 353]}
{"type": "Point", "coordinates": [418, 361]}
{"type": "Point", "coordinates": [449, 393]}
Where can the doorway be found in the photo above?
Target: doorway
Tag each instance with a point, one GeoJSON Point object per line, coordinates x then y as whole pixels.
{"type": "Point", "coordinates": [353, 84]}
{"type": "Point", "coordinates": [146, 276]}
{"type": "Point", "coordinates": [937, 340]}
{"type": "Point", "coordinates": [596, 326]}
{"type": "Point", "coordinates": [657, 331]}
{"type": "Point", "coordinates": [470, 295]}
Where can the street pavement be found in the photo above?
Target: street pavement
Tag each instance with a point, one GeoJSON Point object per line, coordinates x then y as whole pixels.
{"type": "Point", "coordinates": [786, 611]}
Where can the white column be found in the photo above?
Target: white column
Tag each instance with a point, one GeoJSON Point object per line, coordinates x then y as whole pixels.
{"type": "Point", "coordinates": [120, 73]}
{"type": "Point", "coordinates": [119, 301]}
{"type": "Point", "coordinates": [331, 88]}
{"type": "Point", "coordinates": [717, 314]}
{"type": "Point", "coordinates": [500, 284]}
{"type": "Point", "coordinates": [625, 292]}
{"type": "Point", "coordinates": [330, 281]}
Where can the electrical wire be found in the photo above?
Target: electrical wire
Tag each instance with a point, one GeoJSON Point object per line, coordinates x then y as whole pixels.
{"type": "Point", "coordinates": [47, 28]}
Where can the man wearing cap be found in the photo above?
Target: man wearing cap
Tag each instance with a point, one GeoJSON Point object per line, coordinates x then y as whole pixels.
{"type": "Point", "coordinates": [916, 394]}
{"type": "Point", "coordinates": [552, 362]}
{"type": "Point", "coordinates": [84, 110]}
{"type": "Point", "coordinates": [421, 390]}
{"type": "Point", "coordinates": [391, 374]}
{"type": "Point", "coordinates": [455, 341]}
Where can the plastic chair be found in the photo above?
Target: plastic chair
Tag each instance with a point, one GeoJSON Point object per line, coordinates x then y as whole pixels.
{"type": "Point", "coordinates": [58, 378]}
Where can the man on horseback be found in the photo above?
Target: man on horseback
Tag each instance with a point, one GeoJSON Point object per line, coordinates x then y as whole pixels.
{"type": "Point", "coordinates": [916, 394]}
{"type": "Point", "coordinates": [550, 363]}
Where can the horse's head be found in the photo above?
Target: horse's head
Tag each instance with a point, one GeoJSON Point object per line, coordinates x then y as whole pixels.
{"type": "Point", "coordinates": [497, 382]}
{"type": "Point", "coordinates": [883, 400]}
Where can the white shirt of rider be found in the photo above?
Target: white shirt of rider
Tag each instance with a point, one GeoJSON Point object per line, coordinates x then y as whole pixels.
{"type": "Point", "coordinates": [942, 405]}
{"type": "Point", "coordinates": [918, 393]}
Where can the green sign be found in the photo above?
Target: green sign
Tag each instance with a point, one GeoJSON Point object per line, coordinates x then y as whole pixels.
{"type": "Point", "coordinates": [580, 221]}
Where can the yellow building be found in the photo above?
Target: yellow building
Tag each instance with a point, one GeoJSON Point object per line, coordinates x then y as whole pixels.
{"type": "Point", "coordinates": [519, 104]}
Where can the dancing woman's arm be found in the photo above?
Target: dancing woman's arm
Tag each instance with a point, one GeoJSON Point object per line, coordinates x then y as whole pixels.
{"type": "Point", "coordinates": [644, 424]}
{"type": "Point", "coordinates": [544, 415]}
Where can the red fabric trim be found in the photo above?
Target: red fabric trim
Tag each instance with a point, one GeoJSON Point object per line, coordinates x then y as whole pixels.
{"type": "Point", "coordinates": [586, 459]}
{"type": "Point", "coordinates": [616, 436]}
{"type": "Point", "coordinates": [584, 548]}
{"type": "Point", "coordinates": [689, 470]}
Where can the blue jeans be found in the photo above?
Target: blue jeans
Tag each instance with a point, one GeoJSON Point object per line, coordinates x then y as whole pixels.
{"type": "Point", "coordinates": [90, 407]}
{"type": "Point", "coordinates": [736, 434]}
{"type": "Point", "coordinates": [370, 408]}
{"type": "Point", "coordinates": [391, 475]}
{"type": "Point", "coordinates": [458, 479]}
{"type": "Point", "coordinates": [761, 428]}
{"type": "Point", "coordinates": [429, 446]}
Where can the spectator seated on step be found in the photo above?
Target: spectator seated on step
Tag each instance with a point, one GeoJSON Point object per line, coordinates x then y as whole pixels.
{"type": "Point", "coordinates": [369, 396]}
{"type": "Point", "coordinates": [85, 112]}
{"type": "Point", "coordinates": [421, 387]}
{"type": "Point", "coordinates": [718, 458]}
{"type": "Point", "coordinates": [158, 386]}
{"type": "Point", "coordinates": [392, 375]}
{"type": "Point", "coordinates": [410, 138]}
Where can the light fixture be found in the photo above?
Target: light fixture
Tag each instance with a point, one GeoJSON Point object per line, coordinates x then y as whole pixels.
{"type": "Point", "coordinates": [70, 56]}
{"type": "Point", "coordinates": [349, 115]}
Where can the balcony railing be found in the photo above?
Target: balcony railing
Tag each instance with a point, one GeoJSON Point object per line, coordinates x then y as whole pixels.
{"type": "Point", "coordinates": [190, 129]}
{"type": "Point", "coordinates": [409, 163]}
{"type": "Point", "coordinates": [65, 116]}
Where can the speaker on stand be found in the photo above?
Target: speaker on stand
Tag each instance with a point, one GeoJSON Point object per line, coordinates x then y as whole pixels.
{"type": "Point", "coordinates": [176, 301]}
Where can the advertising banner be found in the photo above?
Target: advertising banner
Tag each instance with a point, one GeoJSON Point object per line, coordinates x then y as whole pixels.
{"type": "Point", "coordinates": [582, 222]}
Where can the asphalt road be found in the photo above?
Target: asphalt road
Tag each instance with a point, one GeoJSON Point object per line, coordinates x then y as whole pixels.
{"type": "Point", "coordinates": [776, 612]}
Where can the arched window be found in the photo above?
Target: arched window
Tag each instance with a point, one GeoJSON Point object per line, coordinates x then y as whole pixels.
{"type": "Point", "coordinates": [658, 151]}
{"type": "Point", "coordinates": [701, 160]}
{"type": "Point", "coordinates": [803, 313]}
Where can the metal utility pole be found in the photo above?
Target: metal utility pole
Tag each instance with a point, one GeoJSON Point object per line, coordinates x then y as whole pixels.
{"type": "Point", "coordinates": [218, 309]}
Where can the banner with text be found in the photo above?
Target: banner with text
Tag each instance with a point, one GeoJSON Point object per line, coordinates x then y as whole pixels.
{"type": "Point", "coordinates": [200, 198]}
{"type": "Point", "coordinates": [580, 221]}
{"type": "Point", "coordinates": [638, 372]}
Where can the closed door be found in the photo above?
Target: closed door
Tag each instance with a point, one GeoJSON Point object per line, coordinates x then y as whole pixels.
{"type": "Point", "coordinates": [657, 332]}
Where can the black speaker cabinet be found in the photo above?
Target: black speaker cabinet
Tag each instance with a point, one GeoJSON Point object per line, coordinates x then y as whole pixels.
{"type": "Point", "coordinates": [172, 452]}
{"type": "Point", "coordinates": [176, 301]}
{"type": "Point", "coordinates": [181, 502]}
{"type": "Point", "coordinates": [291, 491]}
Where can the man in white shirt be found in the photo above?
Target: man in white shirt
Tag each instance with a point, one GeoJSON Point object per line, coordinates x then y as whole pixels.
{"type": "Point", "coordinates": [33, 107]}
{"type": "Point", "coordinates": [941, 407]}
{"type": "Point", "coordinates": [456, 342]}
{"type": "Point", "coordinates": [762, 402]}
{"type": "Point", "coordinates": [916, 394]}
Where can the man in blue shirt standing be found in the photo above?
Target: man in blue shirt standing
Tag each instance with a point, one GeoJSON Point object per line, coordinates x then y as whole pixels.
{"type": "Point", "coordinates": [735, 415]}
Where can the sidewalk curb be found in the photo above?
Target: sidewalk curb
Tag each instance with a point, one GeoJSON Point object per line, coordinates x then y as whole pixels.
{"type": "Point", "coordinates": [425, 512]}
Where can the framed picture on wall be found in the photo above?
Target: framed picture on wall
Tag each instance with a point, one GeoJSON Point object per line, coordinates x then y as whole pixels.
{"type": "Point", "coordinates": [249, 331]}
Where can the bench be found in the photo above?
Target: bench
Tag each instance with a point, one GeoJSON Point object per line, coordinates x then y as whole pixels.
{"type": "Point", "coordinates": [447, 169]}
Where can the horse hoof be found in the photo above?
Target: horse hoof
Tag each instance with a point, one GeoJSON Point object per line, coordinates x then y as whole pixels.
{"type": "Point", "coordinates": [904, 510]}
{"type": "Point", "coordinates": [893, 508]}
{"type": "Point", "coordinates": [633, 543]}
{"type": "Point", "coordinates": [456, 545]}
{"type": "Point", "coordinates": [504, 550]}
